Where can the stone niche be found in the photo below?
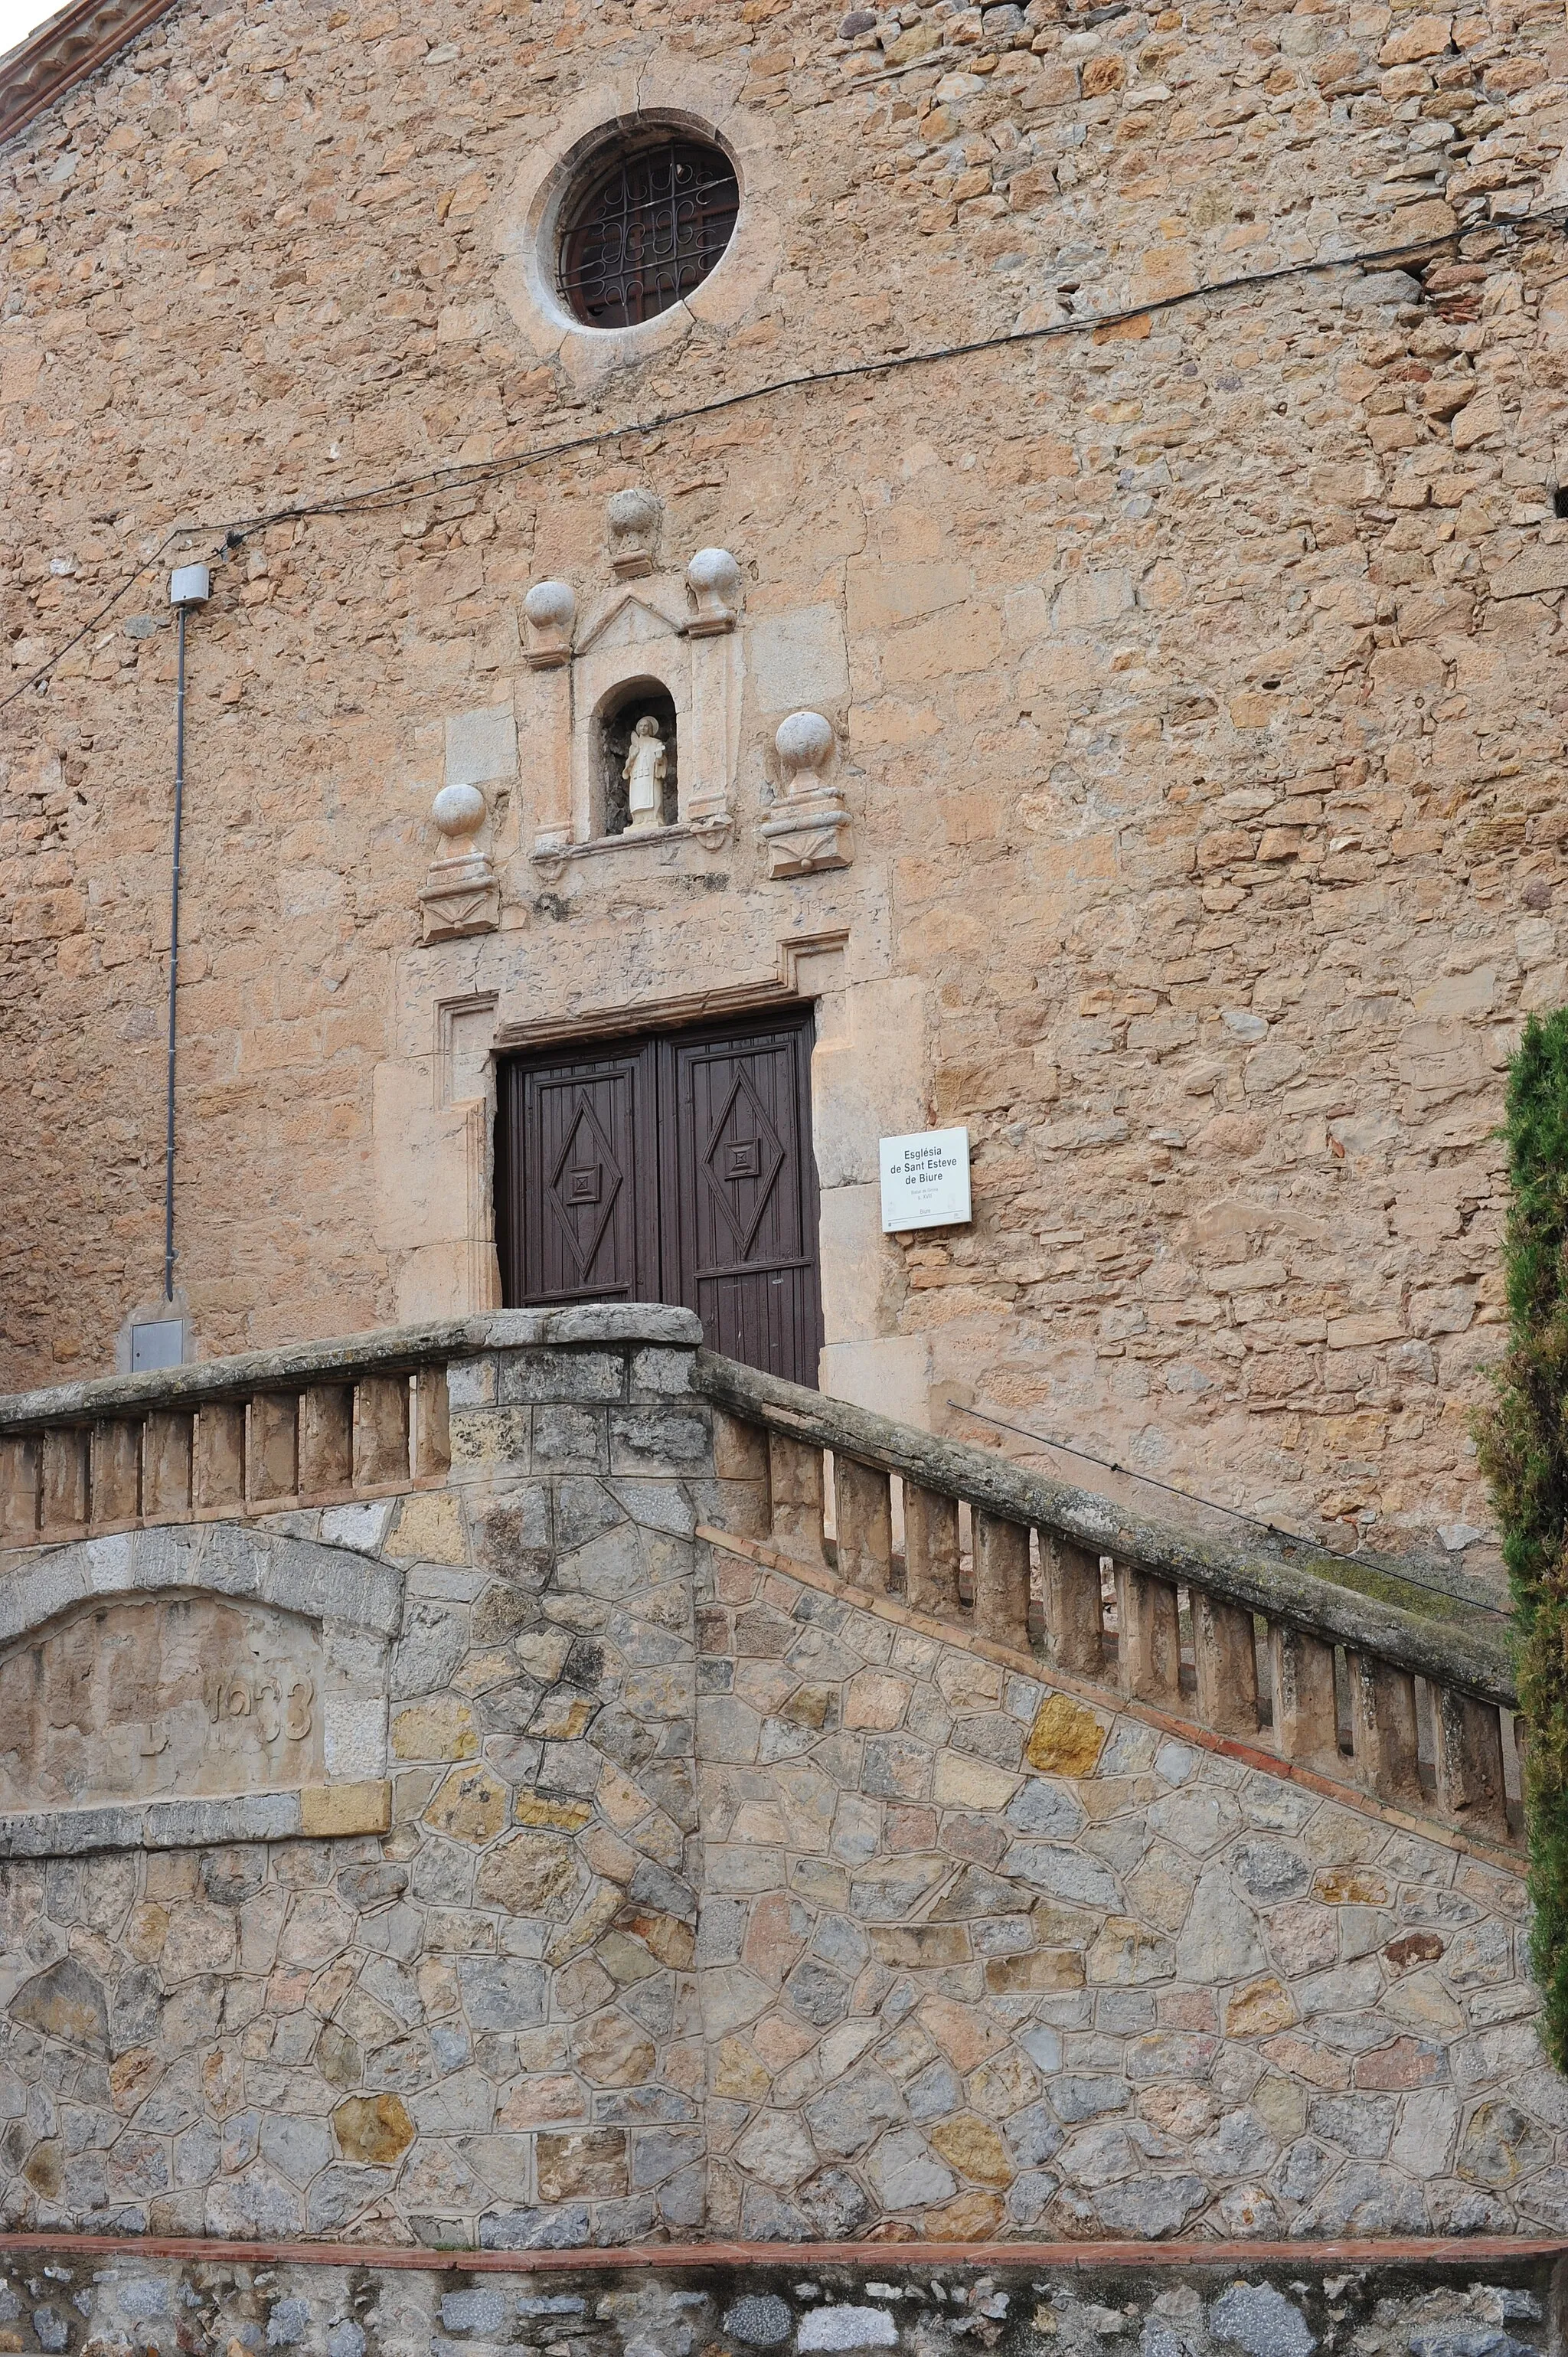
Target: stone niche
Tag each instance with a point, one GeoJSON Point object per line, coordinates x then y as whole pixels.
{"type": "Point", "coordinates": [152, 1697]}
{"type": "Point", "coordinates": [661, 635]}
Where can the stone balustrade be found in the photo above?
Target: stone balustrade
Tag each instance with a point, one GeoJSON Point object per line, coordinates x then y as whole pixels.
{"type": "Point", "coordinates": [1406, 1693]}
{"type": "Point", "coordinates": [260, 1433]}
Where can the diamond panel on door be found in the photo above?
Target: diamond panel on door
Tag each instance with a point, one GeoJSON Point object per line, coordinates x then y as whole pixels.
{"type": "Point", "coordinates": [744, 1187]}
{"type": "Point", "coordinates": [576, 1218]}
{"type": "Point", "coordinates": [584, 1185]}
{"type": "Point", "coordinates": [742, 1165]}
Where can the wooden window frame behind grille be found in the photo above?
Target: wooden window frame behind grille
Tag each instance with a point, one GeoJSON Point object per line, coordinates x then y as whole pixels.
{"type": "Point", "coordinates": [629, 251]}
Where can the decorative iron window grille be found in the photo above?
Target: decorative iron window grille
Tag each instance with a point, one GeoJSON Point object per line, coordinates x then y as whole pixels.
{"type": "Point", "coordinates": [647, 229]}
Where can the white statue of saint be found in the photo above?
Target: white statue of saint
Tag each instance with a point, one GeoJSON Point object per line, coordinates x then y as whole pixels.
{"type": "Point", "coordinates": [644, 775]}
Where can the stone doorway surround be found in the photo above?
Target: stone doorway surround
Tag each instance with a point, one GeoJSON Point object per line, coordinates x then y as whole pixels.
{"type": "Point", "coordinates": [462, 1002]}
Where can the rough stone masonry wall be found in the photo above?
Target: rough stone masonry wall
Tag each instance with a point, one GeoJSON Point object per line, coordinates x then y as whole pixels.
{"type": "Point", "coordinates": [712, 1904]}
{"type": "Point", "coordinates": [128, 2306]}
{"type": "Point", "coordinates": [1203, 718]}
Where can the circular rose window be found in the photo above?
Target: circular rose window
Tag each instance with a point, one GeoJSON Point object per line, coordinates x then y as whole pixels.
{"type": "Point", "coordinates": [643, 226]}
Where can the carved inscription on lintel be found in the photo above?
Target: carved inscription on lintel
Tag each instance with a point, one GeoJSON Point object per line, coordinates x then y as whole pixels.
{"type": "Point", "coordinates": [157, 1698]}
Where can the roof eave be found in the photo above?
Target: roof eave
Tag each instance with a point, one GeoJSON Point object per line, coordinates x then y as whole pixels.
{"type": "Point", "coordinates": [64, 51]}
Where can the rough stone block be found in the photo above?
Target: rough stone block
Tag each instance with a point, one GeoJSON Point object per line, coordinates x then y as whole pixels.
{"type": "Point", "coordinates": [570, 1439]}
{"type": "Point", "coordinates": [658, 1441]}
{"type": "Point", "coordinates": [116, 1471]}
{"type": "Point", "coordinates": [549, 1375]}
{"type": "Point", "coordinates": [271, 1457]}
{"type": "Point", "coordinates": [481, 745]}
{"type": "Point", "coordinates": [326, 1438]}
{"type": "Point", "coordinates": [380, 1430]}
{"type": "Point", "coordinates": [486, 1438]}
{"type": "Point", "coordinates": [219, 1456]}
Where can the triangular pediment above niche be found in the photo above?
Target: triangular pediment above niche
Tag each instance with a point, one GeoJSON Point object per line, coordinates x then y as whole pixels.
{"type": "Point", "coordinates": [630, 620]}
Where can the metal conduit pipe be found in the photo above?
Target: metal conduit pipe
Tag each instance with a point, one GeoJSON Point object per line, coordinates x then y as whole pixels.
{"type": "Point", "coordinates": [189, 585]}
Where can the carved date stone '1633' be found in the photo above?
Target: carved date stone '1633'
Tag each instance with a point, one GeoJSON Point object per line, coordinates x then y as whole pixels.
{"type": "Point", "coordinates": [187, 1696]}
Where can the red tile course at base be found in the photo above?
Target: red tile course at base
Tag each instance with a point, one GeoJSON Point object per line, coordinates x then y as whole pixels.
{"type": "Point", "coordinates": [1450, 2250]}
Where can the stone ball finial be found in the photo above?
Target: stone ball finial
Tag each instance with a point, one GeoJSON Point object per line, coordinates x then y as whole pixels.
{"type": "Point", "coordinates": [551, 606]}
{"type": "Point", "coordinates": [633, 516]}
{"type": "Point", "coordinates": [804, 742]}
{"type": "Point", "coordinates": [634, 509]}
{"type": "Point", "coordinates": [549, 611]}
{"type": "Point", "coordinates": [459, 810]}
{"type": "Point", "coordinates": [713, 577]}
{"type": "Point", "coordinates": [713, 572]}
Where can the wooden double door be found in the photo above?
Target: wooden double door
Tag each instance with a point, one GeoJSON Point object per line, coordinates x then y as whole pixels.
{"type": "Point", "coordinates": [675, 1167]}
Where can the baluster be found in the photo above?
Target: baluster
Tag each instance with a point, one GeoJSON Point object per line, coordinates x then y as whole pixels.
{"type": "Point", "coordinates": [1149, 1651]}
{"type": "Point", "coordinates": [381, 1431]}
{"type": "Point", "coordinates": [19, 1489]}
{"type": "Point", "coordinates": [272, 1455]}
{"type": "Point", "coordinates": [116, 1477]}
{"type": "Point", "coordinates": [1225, 1657]}
{"type": "Point", "coordinates": [1075, 1609]}
{"type": "Point", "coordinates": [930, 1552]}
{"type": "Point", "coordinates": [864, 1523]}
{"type": "Point", "coordinates": [1385, 1734]}
{"type": "Point", "coordinates": [326, 1438]}
{"type": "Point", "coordinates": [795, 1492]}
{"type": "Point", "coordinates": [167, 1471]}
{"type": "Point", "coordinates": [1001, 1579]}
{"type": "Point", "coordinates": [1306, 1712]}
{"type": "Point", "coordinates": [217, 1477]}
{"type": "Point", "coordinates": [1470, 1761]}
{"type": "Point", "coordinates": [740, 1469]}
{"type": "Point", "coordinates": [63, 1464]}
{"type": "Point", "coordinates": [432, 1437]}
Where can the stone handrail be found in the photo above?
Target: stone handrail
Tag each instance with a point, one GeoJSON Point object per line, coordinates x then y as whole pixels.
{"type": "Point", "coordinates": [317, 1424]}
{"type": "Point", "coordinates": [1324, 1641]}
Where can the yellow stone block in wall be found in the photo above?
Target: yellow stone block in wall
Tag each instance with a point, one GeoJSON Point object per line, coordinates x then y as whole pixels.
{"type": "Point", "coordinates": [430, 1529]}
{"type": "Point", "coordinates": [364, 1808]}
{"type": "Point", "coordinates": [1066, 1739]}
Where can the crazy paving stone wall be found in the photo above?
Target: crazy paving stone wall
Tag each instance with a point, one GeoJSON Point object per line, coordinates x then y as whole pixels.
{"type": "Point", "coordinates": [713, 1903]}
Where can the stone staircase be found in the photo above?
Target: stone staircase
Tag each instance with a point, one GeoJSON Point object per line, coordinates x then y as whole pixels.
{"type": "Point", "coordinates": [1347, 1676]}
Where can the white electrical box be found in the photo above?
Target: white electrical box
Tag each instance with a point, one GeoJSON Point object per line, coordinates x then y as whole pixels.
{"type": "Point", "coordinates": [189, 585]}
{"type": "Point", "coordinates": [925, 1181]}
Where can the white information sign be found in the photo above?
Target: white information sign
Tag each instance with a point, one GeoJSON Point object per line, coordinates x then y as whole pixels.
{"type": "Point", "coordinates": [925, 1181]}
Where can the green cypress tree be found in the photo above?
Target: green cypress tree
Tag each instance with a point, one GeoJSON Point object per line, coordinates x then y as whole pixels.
{"type": "Point", "coordinates": [1524, 1454]}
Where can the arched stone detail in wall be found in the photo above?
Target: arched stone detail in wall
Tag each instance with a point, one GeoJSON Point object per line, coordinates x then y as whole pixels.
{"type": "Point", "coordinates": [300, 1576]}
{"type": "Point", "coordinates": [195, 1685]}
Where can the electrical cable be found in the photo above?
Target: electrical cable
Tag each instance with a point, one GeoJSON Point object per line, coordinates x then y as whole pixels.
{"type": "Point", "coordinates": [108, 607]}
{"type": "Point", "coordinates": [450, 478]}
{"type": "Point", "coordinates": [1237, 1513]}
{"type": "Point", "coordinates": [400, 491]}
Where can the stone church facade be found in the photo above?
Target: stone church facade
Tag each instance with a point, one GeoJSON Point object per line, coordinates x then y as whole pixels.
{"type": "Point", "coordinates": [674, 592]}
{"type": "Point", "coordinates": [1136, 740]}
